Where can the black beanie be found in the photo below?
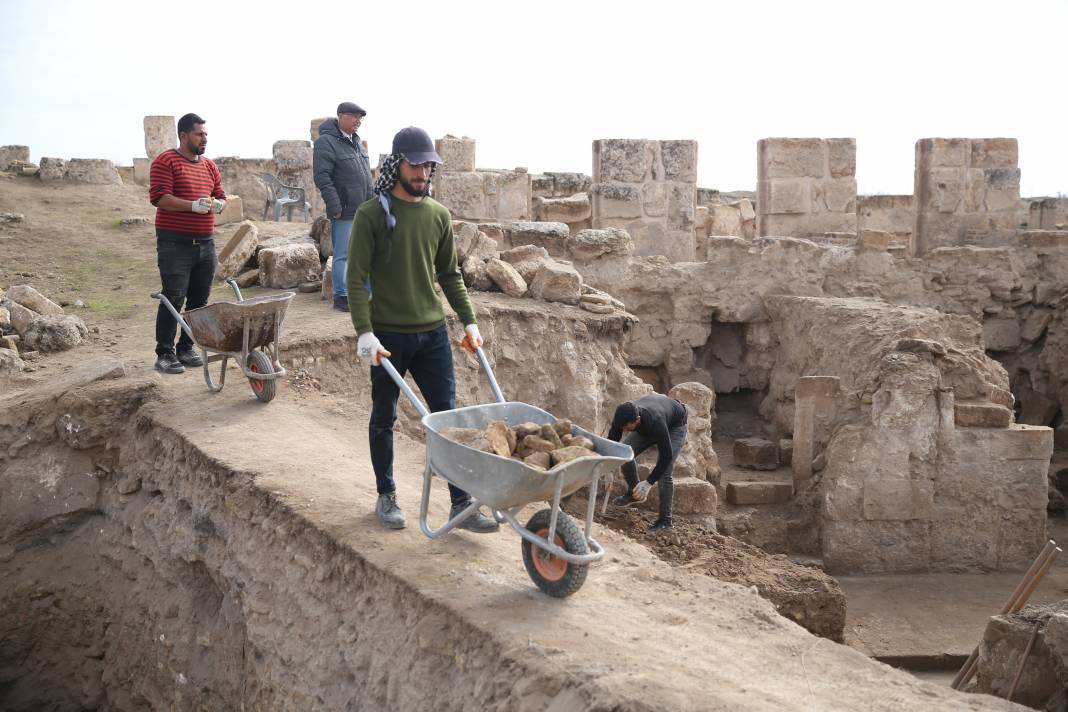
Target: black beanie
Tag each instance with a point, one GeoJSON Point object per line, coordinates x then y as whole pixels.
{"type": "Point", "coordinates": [626, 414]}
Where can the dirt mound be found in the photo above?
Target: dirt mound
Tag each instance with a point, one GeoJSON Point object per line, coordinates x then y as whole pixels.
{"type": "Point", "coordinates": [805, 595]}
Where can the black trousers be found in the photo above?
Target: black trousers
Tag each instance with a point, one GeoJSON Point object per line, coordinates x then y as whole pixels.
{"type": "Point", "coordinates": [186, 269]}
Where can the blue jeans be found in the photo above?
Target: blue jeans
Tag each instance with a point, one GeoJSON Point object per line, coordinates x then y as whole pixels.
{"type": "Point", "coordinates": [428, 356]}
{"type": "Point", "coordinates": [339, 238]}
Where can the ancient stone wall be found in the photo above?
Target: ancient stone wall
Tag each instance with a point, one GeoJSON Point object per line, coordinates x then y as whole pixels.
{"type": "Point", "coordinates": [887, 213]}
{"type": "Point", "coordinates": [1044, 214]}
{"type": "Point", "coordinates": [479, 195]}
{"type": "Point", "coordinates": [967, 192]}
{"type": "Point", "coordinates": [806, 186]}
{"type": "Point", "coordinates": [294, 161]}
{"type": "Point", "coordinates": [241, 176]}
{"type": "Point", "coordinates": [649, 189]}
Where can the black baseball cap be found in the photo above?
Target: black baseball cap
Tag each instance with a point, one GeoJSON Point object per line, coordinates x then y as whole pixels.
{"type": "Point", "coordinates": [416, 146]}
{"type": "Point", "coordinates": [347, 107]}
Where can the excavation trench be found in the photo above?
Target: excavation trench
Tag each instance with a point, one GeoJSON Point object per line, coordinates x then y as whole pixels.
{"type": "Point", "coordinates": [166, 548]}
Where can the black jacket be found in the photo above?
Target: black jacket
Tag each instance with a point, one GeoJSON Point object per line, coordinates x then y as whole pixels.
{"type": "Point", "coordinates": [659, 415]}
{"type": "Point", "coordinates": [342, 171]}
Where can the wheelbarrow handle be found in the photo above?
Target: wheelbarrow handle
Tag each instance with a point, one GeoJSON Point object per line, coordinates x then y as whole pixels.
{"type": "Point", "coordinates": [410, 394]}
{"type": "Point", "coordinates": [174, 312]}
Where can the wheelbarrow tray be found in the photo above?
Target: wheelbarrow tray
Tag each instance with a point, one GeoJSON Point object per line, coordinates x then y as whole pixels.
{"type": "Point", "coordinates": [501, 482]}
{"type": "Point", "coordinates": [221, 326]}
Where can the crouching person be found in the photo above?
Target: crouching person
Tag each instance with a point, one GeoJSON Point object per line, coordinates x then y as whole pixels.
{"type": "Point", "coordinates": [651, 420]}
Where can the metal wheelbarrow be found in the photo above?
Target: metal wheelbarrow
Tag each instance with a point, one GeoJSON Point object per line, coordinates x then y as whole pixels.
{"type": "Point", "coordinates": [247, 331]}
{"type": "Point", "coordinates": [556, 551]}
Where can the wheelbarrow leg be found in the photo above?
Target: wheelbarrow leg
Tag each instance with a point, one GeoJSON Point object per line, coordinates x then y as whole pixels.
{"type": "Point", "coordinates": [212, 386]}
{"type": "Point", "coordinates": [424, 507]}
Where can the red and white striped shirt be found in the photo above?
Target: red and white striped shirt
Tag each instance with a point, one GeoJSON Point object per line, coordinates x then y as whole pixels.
{"type": "Point", "coordinates": [174, 174]}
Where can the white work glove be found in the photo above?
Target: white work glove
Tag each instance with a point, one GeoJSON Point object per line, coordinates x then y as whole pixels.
{"type": "Point", "coordinates": [201, 205]}
{"type": "Point", "coordinates": [217, 205]}
{"type": "Point", "coordinates": [472, 339]}
{"type": "Point", "coordinates": [641, 491]}
{"type": "Point", "coordinates": [368, 346]}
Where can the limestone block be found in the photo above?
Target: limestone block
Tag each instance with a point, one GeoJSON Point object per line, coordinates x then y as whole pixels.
{"type": "Point", "coordinates": [506, 277]}
{"type": "Point", "coordinates": [875, 547]}
{"type": "Point", "coordinates": [572, 209]}
{"type": "Point", "coordinates": [237, 252]}
{"type": "Point", "coordinates": [293, 238]}
{"type": "Point", "coordinates": [527, 259]}
{"type": "Point", "coordinates": [315, 124]}
{"type": "Point", "coordinates": [475, 274]}
{"type": "Point", "coordinates": [945, 190]}
{"type": "Point", "coordinates": [292, 155]}
{"type": "Point", "coordinates": [1017, 442]}
{"type": "Point", "coordinates": [1002, 648]}
{"type": "Point", "coordinates": [974, 189]}
{"type": "Point", "coordinates": [233, 212]}
{"type": "Point", "coordinates": [30, 298]}
{"type": "Point", "coordinates": [466, 236]}
{"type": "Point", "coordinates": [943, 152]}
{"type": "Point", "coordinates": [553, 236]}
{"type": "Point", "coordinates": [52, 169]}
{"type": "Point", "coordinates": [725, 220]}
{"type": "Point", "coordinates": [995, 153]}
{"type": "Point", "coordinates": [463, 195]}
{"type": "Point", "coordinates": [898, 499]}
{"type": "Point", "coordinates": [790, 158]}
{"type": "Point", "coordinates": [96, 171]}
{"type": "Point", "coordinates": [755, 454]}
{"type": "Point", "coordinates": [689, 496]}
{"type": "Point", "coordinates": [1001, 334]}
{"type": "Point", "coordinates": [5, 319]}
{"type": "Point", "coordinates": [20, 316]}
{"type": "Point", "coordinates": [141, 171]}
{"type": "Point", "coordinates": [161, 134]}
{"type": "Point", "coordinates": [1035, 325]}
{"type": "Point", "coordinates": [1021, 534]}
{"type": "Point", "coordinates": [565, 184]}
{"type": "Point", "coordinates": [842, 155]}
{"type": "Point", "coordinates": [509, 194]}
{"type": "Point", "coordinates": [875, 240]}
{"type": "Point", "coordinates": [250, 277]}
{"type": "Point", "coordinates": [679, 159]}
{"type": "Point", "coordinates": [616, 200]}
{"type": "Point", "coordinates": [699, 398]}
{"type": "Point", "coordinates": [51, 333]}
{"type": "Point", "coordinates": [624, 160]}
{"type": "Point", "coordinates": [759, 492]}
{"type": "Point", "coordinates": [541, 186]}
{"type": "Point", "coordinates": [838, 195]}
{"type": "Point", "coordinates": [745, 208]}
{"type": "Point", "coordinates": [458, 154]}
{"type": "Point", "coordinates": [681, 204]}
{"type": "Point", "coordinates": [557, 282]}
{"type": "Point", "coordinates": [10, 154]}
{"type": "Point", "coordinates": [326, 289]}
{"type": "Point", "coordinates": [10, 360]}
{"type": "Point", "coordinates": [287, 266]}
{"type": "Point", "coordinates": [981, 415]}
{"type": "Point", "coordinates": [784, 196]}
{"type": "Point", "coordinates": [588, 245]}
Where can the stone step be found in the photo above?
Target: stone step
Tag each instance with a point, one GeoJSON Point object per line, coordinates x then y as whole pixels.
{"type": "Point", "coordinates": [759, 492]}
{"type": "Point", "coordinates": [981, 415]}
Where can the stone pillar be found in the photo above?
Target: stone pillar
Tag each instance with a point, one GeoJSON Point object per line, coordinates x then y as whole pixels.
{"type": "Point", "coordinates": [10, 154]}
{"type": "Point", "coordinates": [967, 192]}
{"type": "Point", "coordinates": [315, 124]}
{"type": "Point", "coordinates": [161, 135]}
{"type": "Point", "coordinates": [814, 402]}
{"type": "Point", "coordinates": [649, 189]}
{"type": "Point", "coordinates": [806, 186]}
{"type": "Point", "coordinates": [294, 161]}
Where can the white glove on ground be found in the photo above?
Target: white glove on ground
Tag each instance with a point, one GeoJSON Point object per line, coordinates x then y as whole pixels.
{"type": "Point", "coordinates": [368, 346]}
{"type": "Point", "coordinates": [472, 339]}
{"type": "Point", "coordinates": [641, 491]}
{"type": "Point", "coordinates": [217, 205]}
{"type": "Point", "coordinates": [201, 205]}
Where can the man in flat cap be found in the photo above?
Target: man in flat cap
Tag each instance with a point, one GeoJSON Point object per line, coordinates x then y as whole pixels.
{"type": "Point", "coordinates": [343, 176]}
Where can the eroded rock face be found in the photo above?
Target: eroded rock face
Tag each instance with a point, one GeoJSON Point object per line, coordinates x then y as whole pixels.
{"type": "Point", "coordinates": [51, 333]}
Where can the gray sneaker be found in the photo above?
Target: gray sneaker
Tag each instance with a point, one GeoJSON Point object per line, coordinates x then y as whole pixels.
{"type": "Point", "coordinates": [477, 522]}
{"type": "Point", "coordinates": [389, 512]}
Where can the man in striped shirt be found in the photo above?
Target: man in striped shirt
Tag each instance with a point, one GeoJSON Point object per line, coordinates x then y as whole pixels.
{"type": "Point", "coordinates": [186, 188]}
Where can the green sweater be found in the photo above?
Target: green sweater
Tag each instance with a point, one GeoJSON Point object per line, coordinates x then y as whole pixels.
{"type": "Point", "coordinates": [401, 269]}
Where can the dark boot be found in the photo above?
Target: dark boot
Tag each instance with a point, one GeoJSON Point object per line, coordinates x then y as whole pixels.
{"type": "Point", "coordinates": [659, 525]}
{"type": "Point", "coordinates": [667, 493]}
{"type": "Point", "coordinates": [168, 363]}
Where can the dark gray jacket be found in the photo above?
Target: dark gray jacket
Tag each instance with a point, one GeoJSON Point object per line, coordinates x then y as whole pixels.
{"type": "Point", "coordinates": [342, 171]}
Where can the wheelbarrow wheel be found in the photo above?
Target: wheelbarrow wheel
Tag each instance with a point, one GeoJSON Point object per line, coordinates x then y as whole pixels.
{"type": "Point", "coordinates": [259, 363]}
{"type": "Point", "coordinates": [550, 573]}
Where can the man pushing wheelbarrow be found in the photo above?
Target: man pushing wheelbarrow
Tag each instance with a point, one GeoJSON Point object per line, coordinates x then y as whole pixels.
{"type": "Point", "coordinates": [401, 243]}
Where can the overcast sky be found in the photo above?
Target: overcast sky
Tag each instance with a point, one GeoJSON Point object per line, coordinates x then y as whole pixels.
{"type": "Point", "coordinates": [536, 82]}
